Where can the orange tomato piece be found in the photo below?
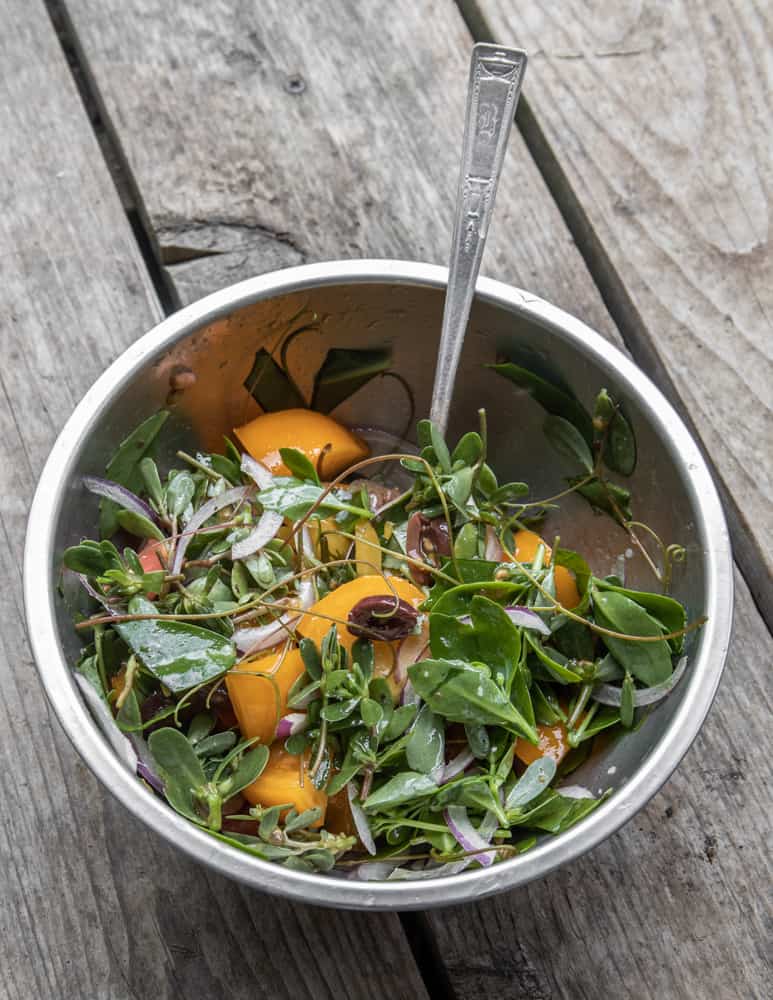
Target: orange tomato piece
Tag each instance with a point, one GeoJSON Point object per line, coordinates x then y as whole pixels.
{"type": "Point", "coordinates": [149, 555]}
{"type": "Point", "coordinates": [281, 783]}
{"type": "Point", "coordinates": [553, 742]}
{"type": "Point", "coordinates": [254, 699]}
{"type": "Point", "coordinates": [526, 545]}
{"type": "Point", "coordinates": [338, 603]}
{"type": "Point", "coordinates": [309, 432]}
{"type": "Point", "coordinates": [338, 818]}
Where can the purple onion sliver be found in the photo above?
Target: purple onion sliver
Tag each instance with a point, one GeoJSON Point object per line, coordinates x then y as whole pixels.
{"type": "Point", "coordinates": [150, 777]}
{"type": "Point", "coordinates": [408, 695]}
{"type": "Point", "coordinates": [257, 472]}
{"type": "Point", "coordinates": [265, 530]}
{"type": "Point", "coordinates": [290, 724]}
{"type": "Point", "coordinates": [119, 495]}
{"type": "Point", "coordinates": [201, 516]}
{"type": "Point", "coordinates": [360, 819]}
{"type": "Point", "coordinates": [253, 640]}
{"type": "Point", "coordinates": [526, 618]}
{"type": "Point", "coordinates": [466, 835]}
{"type": "Point", "coordinates": [456, 765]}
{"type": "Point", "coordinates": [608, 694]}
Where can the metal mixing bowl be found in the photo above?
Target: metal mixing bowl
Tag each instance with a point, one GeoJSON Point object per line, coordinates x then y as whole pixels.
{"type": "Point", "coordinates": [374, 303]}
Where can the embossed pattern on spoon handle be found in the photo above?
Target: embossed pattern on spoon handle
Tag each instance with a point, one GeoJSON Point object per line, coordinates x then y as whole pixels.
{"type": "Point", "coordinates": [496, 75]}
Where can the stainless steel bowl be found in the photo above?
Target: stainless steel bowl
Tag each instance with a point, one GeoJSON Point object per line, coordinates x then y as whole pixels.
{"type": "Point", "coordinates": [376, 303]}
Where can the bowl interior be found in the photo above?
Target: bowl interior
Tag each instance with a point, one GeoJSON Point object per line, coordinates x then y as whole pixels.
{"type": "Point", "coordinates": [406, 319]}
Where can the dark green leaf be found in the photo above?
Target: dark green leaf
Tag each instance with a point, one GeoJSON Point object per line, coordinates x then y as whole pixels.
{"type": "Point", "coordinates": [555, 400]}
{"type": "Point", "coordinates": [250, 767]}
{"type": "Point", "coordinates": [553, 661]}
{"type": "Point", "coordinates": [608, 497]}
{"type": "Point", "coordinates": [465, 693]}
{"type": "Point", "coordinates": [201, 726]}
{"type": "Point", "coordinates": [487, 481]}
{"type": "Point", "coordinates": [216, 744]}
{"type": "Point", "coordinates": [402, 717]}
{"type": "Point", "coordinates": [405, 787]}
{"type": "Point", "coordinates": [466, 541]}
{"type": "Point", "coordinates": [363, 655]}
{"type": "Point", "coordinates": [509, 492]}
{"type": "Point", "coordinates": [338, 710]}
{"type": "Point", "coordinates": [491, 638]}
{"type": "Point", "coordinates": [426, 744]}
{"type": "Point", "coordinates": [668, 611]}
{"type": "Point", "coordinates": [271, 387]}
{"type": "Point", "coordinates": [302, 819]}
{"type": "Point", "coordinates": [179, 768]}
{"type": "Point", "coordinates": [649, 662]}
{"type": "Point", "coordinates": [136, 524]}
{"type": "Point", "coordinates": [459, 486]}
{"type": "Point", "coordinates": [620, 446]}
{"type": "Point", "coordinates": [152, 481]}
{"type": "Point", "coordinates": [179, 493]}
{"type": "Point", "coordinates": [468, 449]}
{"type": "Point", "coordinates": [568, 441]}
{"type": "Point", "coordinates": [124, 466]}
{"type": "Point", "coordinates": [176, 653]}
{"type": "Point", "coordinates": [371, 712]}
{"type": "Point", "coordinates": [343, 372]}
{"type": "Point", "coordinates": [226, 468]}
{"type": "Point", "coordinates": [299, 465]}
{"type": "Point", "coordinates": [87, 559]}
{"type": "Point", "coordinates": [311, 658]}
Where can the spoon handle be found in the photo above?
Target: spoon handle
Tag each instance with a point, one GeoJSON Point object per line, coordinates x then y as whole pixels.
{"type": "Point", "coordinates": [496, 75]}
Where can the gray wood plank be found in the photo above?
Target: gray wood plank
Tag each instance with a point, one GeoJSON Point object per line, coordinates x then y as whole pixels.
{"type": "Point", "coordinates": [92, 905]}
{"type": "Point", "coordinates": [281, 133]}
{"type": "Point", "coordinates": [676, 904]}
{"type": "Point", "coordinates": [653, 121]}
{"type": "Point", "coordinates": [230, 157]}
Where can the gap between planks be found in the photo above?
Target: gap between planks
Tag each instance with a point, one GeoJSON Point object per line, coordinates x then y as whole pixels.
{"type": "Point", "coordinates": [112, 154]}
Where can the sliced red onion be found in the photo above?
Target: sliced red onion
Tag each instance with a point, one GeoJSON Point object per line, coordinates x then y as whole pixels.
{"type": "Point", "coordinates": [257, 471]}
{"type": "Point", "coordinates": [488, 825]}
{"type": "Point", "coordinates": [120, 495]}
{"type": "Point", "coordinates": [360, 819]}
{"type": "Point", "coordinates": [253, 640]}
{"type": "Point", "coordinates": [201, 516]}
{"type": "Point", "coordinates": [575, 792]}
{"type": "Point", "coordinates": [456, 766]}
{"type": "Point", "coordinates": [373, 871]}
{"type": "Point", "coordinates": [306, 583]}
{"type": "Point", "coordinates": [290, 724]}
{"type": "Point", "coordinates": [265, 530]}
{"type": "Point", "coordinates": [493, 551]}
{"type": "Point", "coordinates": [526, 618]}
{"type": "Point", "coordinates": [466, 835]}
{"type": "Point", "coordinates": [608, 694]}
{"type": "Point", "coordinates": [146, 767]}
{"type": "Point", "coordinates": [412, 874]}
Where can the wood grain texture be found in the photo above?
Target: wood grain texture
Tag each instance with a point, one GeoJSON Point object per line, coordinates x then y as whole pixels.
{"type": "Point", "coordinates": [273, 134]}
{"type": "Point", "coordinates": [93, 906]}
{"type": "Point", "coordinates": [676, 905]}
{"type": "Point", "coordinates": [653, 121]}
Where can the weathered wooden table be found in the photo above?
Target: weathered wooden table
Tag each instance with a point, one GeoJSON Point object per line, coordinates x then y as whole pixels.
{"type": "Point", "coordinates": [151, 152]}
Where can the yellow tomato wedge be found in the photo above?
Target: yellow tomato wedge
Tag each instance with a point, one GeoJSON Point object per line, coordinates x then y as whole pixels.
{"type": "Point", "coordinates": [280, 783]}
{"type": "Point", "coordinates": [329, 447]}
{"type": "Point", "coordinates": [340, 602]}
{"type": "Point", "coordinates": [259, 703]}
{"type": "Point", "coordinates": [526, 545]}
{"type": "Point", "coordinates": [553, 742]}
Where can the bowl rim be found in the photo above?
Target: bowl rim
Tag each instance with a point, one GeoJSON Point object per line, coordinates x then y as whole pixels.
{"type": "Point", "coordinates": [56, 674]}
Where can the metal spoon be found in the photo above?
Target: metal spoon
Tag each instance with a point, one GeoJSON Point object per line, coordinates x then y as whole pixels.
{"type": "Point", "coordinates": [496, 75]}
